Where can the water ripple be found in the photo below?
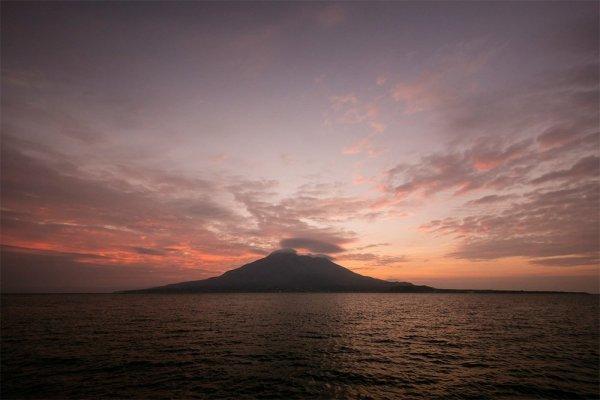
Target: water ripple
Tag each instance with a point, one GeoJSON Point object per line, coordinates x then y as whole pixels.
{"type": "Point", "coordinates": [242, 346]}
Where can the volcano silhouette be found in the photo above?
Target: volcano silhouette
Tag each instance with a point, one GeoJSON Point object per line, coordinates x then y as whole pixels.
{"type": "Point", "coordinates": [287, 271]}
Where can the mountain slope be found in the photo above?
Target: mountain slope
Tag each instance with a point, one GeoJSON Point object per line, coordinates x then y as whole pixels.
{"type": "Point", "coordinates": [284, 271]}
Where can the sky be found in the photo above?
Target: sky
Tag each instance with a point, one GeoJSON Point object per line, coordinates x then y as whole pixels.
{"type": "Point", "coordinates": [452, 144]}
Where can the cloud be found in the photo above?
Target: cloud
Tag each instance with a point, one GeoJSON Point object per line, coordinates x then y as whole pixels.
{"type": "Point", "coordinates": [499, 163]}
{"type": "Point", "coordinates": [567, 261]}
{"type": "Point", "coordinates": [370, 246]}
{"type": "Point", "coordinates": [545, 224]}
{"type": "Point", "coordinates": [58, 203]}
{"type": "Point", "coordinates": [363, 145]}
{"type": "Point", "coordinates": [374, 259]}
{"type": "Point", "coordinates": [587, 167]}
{"type": "Point", "coordinates": [286, 250]}
{"type": "Point", "coordinates": [490, 199]}
{"type": "Point", "coordinates": [312, 245]}
{"type": "Point", "coordinates": [558, 136]}
{"type": "Point", "coordinates": [449, 77]}
{"type": "Point", "coordinates": [453, 87]}
{"type": "Point", "coordinates": [487, 163]}
{"type": "Point", "coordinates": [349, 110]}
{"type": "Point", "coordinates": [314, 212]}
{"type": "Point", "coordinates": [330, 209]}
{"type": "Point", "coordinates": [34, 270]}
{"type": "Point", "coordinates": [205, 208]}
{"type": "Point", "coordinates": [48, 202]}
{"type": "Point", "coordinates": [151, 251]}
{"type": "Point", "coordinates": [562, 104]}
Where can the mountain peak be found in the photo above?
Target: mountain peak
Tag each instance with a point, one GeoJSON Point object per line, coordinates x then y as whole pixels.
{"type": "Point", "coordinates": [284, 270]}
{"type": "Point", "coordinates": [292, 253]}
{"type": "Point", "coordinates": [286, 250]}
{"type": "Point", "coordinates": [289, 252]}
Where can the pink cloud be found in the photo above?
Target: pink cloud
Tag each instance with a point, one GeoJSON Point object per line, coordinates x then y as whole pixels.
{"type": "Point", "coordinates": [448, 78]}
{"type": "Point", "coordinates": [364, 145]}
{"type": "Point", "coordinates": [349, 110]}
{"type": "Point", "coordinates": [486, 164]}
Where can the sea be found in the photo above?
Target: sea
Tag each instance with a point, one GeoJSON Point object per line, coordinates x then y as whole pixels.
{"type": "Point", "coordinates": [300, 346]}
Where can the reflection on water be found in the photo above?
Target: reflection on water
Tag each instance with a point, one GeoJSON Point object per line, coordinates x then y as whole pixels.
{"type": "Point", "coordinates": [300, 346]}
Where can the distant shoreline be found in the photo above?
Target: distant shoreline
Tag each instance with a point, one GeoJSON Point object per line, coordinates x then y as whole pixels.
{"type": "Point", "coordinates": [438, 291]}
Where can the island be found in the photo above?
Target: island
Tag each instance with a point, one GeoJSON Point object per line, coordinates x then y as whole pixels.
{"type": "Point", "coordinates": [287, 271]}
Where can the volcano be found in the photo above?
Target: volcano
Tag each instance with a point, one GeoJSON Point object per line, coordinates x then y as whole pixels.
{"type": "Point", "coordinates": [287, 271]}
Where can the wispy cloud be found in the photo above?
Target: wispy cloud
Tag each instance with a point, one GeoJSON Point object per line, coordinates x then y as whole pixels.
{"type": "Point", "coordinates": [545, 224]}
{"type": "Point", "coordinates": [373, 259]}
{"type": "Point", "coordinates": [50, 203]}
{"type": "Point", "coordinates": [349, 110]}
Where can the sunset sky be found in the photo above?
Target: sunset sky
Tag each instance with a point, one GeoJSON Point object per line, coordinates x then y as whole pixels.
{"type": "Point", "coordinates": [449, 144]}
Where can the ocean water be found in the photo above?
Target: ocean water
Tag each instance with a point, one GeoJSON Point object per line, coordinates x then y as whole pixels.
{"type": "Point", "coordinates": [238, 346]}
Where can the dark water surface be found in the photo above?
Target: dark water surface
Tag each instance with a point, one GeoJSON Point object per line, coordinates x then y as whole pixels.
{"type": "Point", "coordinates": [423, 346]}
